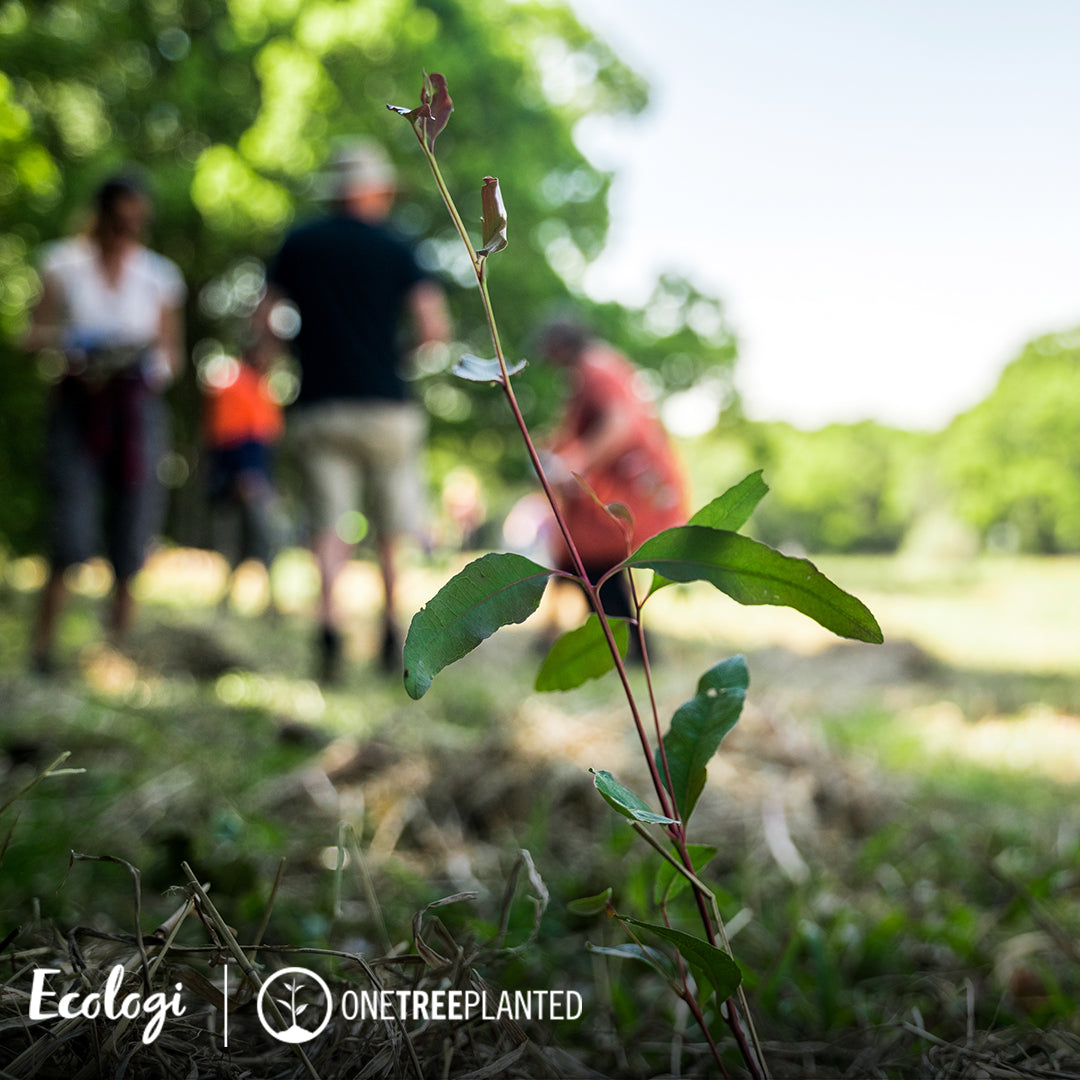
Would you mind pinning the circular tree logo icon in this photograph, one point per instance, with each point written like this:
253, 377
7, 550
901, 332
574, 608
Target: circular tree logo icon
294, 989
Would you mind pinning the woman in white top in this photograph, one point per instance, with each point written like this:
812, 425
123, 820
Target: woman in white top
113, 308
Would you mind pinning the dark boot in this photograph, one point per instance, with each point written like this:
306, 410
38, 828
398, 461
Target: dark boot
330, 656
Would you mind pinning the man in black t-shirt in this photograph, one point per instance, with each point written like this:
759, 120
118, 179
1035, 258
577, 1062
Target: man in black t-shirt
354, 424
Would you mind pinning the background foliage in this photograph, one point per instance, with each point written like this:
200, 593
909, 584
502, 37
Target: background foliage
232, 109
1004, 476
1012, 464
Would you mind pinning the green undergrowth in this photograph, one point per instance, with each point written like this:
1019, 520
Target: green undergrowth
937, 891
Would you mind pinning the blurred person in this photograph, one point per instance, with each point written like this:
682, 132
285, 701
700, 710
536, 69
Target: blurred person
355, 431
612, 439
112, 308
242, 424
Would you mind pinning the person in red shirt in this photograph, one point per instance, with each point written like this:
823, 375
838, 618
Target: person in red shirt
242, 422
612, 439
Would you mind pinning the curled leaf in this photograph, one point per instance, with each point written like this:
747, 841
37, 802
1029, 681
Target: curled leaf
439, 106
625, 801
493, 217
591, 905
633, 951
477, 369
431, 115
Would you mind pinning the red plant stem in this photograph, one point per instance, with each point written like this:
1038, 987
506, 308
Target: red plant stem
591, 590
673, 830
676, 831
732, 1020
695, 1010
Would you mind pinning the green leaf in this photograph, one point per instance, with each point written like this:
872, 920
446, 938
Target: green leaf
697, 728
732, 510
493, 217
491, 592
631, 950
729, 511
580, 655
625, 801
591, 905
753, 573
718, 969
476, 369
669, 882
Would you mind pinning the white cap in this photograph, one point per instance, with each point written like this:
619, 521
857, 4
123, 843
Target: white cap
357, 163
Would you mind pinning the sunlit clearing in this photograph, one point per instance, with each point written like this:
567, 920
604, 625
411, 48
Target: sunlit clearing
28, 573
93, 579
359, 588
183, 577
295, 580
250, 591
1038, 741
297, 699
111, 673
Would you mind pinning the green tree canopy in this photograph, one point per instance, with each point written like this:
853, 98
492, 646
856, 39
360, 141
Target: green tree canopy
841, 488
231, 108
1013, 461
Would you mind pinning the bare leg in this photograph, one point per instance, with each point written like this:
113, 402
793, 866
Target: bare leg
390, 650
53, 597
331, 555
120, 612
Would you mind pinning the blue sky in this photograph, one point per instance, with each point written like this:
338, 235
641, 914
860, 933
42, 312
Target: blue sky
884, 193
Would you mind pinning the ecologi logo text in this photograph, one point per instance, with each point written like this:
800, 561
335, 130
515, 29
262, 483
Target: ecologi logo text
298, 994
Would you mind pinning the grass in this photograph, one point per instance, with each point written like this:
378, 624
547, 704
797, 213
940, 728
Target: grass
897, 829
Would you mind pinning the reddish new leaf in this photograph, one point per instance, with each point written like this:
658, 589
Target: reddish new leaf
437, 98
431, 115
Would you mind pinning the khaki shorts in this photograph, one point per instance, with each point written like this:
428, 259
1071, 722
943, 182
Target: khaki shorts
361, 455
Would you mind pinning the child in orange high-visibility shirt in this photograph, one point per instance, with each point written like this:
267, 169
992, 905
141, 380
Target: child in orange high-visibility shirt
242, 424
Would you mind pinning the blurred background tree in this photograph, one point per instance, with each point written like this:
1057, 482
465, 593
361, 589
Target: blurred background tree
231, 109
1003, 476
1012, 462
